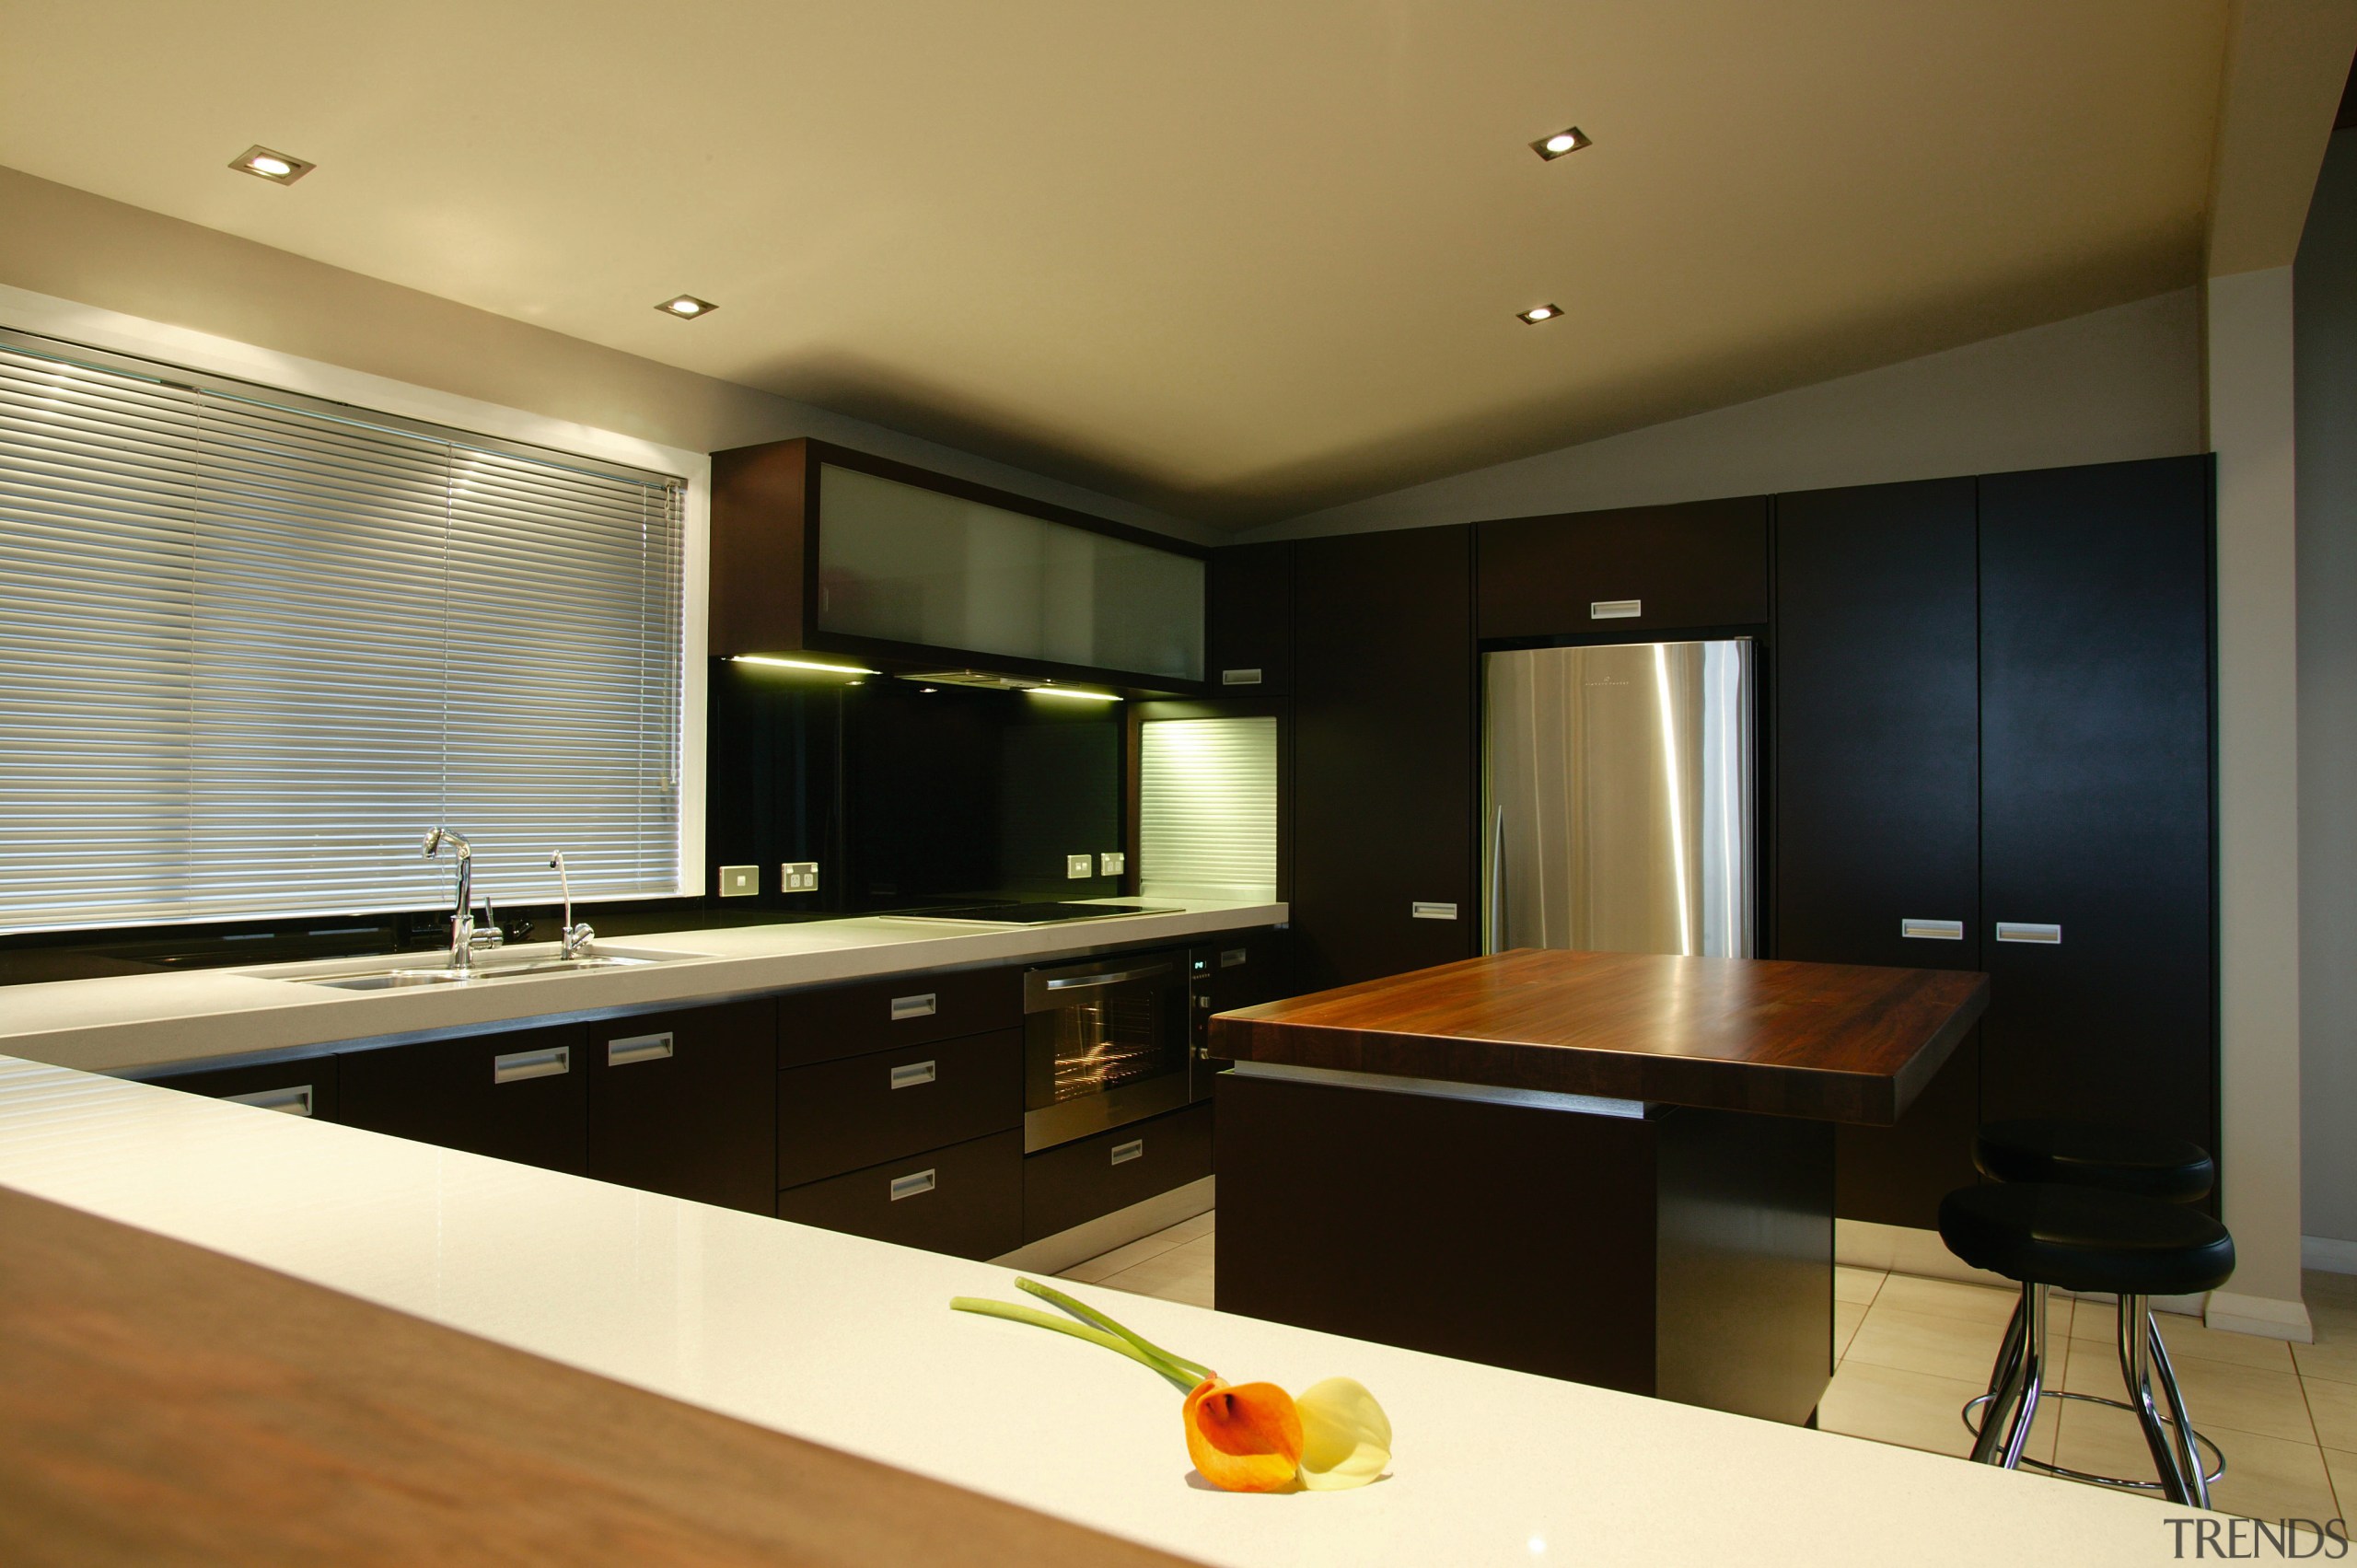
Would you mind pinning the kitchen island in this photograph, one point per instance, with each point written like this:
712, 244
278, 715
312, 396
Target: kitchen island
1614, 1167
845, 1343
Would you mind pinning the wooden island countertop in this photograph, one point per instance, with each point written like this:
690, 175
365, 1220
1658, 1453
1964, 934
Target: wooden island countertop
1832, 1042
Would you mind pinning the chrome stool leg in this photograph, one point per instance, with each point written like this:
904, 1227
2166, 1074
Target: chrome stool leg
2030, 1374
2004, 1387
2136, 1370
2187, 1447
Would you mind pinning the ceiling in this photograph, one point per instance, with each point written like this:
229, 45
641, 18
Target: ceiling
1231, 259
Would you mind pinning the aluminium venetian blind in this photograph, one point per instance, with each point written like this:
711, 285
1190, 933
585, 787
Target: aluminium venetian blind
1207, 809
253, 646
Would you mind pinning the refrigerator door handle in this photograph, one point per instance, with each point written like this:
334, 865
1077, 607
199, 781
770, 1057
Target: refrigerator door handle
1496, 936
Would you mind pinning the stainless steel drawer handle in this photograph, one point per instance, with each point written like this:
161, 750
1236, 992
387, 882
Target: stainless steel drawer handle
909, 1075
2026, 930
1616, 610
295, 1100
913, 1006
518, 1065
1932, 930
1239, 677
1233, 956
1124, 1153
638, 1048
1432, 911
1112, 977
911, 1185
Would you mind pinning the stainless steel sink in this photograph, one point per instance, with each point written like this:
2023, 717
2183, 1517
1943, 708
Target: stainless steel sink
484, 970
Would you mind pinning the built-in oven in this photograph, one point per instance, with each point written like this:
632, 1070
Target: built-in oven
1105, 1042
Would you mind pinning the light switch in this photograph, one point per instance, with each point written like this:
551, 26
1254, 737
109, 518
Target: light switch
798, 876
1112, 864
739, 881
1079, 865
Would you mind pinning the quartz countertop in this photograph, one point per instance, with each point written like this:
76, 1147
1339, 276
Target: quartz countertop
130, 1024
851, 1343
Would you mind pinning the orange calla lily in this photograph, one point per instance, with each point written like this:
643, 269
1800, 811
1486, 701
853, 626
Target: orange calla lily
1243, 1436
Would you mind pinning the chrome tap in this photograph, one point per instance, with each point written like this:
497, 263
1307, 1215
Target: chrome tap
464, 938
575, 937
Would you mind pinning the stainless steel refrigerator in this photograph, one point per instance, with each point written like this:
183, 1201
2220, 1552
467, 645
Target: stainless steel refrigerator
1617, 798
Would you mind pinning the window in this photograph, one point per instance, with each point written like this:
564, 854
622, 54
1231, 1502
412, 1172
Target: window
253, 646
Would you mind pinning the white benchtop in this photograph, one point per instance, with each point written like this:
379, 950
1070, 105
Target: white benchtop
853, 1343
136, 1023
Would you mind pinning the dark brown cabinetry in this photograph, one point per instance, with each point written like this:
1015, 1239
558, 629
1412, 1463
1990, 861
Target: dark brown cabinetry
1639, 569
1383, 754
2097, 829
862, 1110
886, 1015
518, 1095
1248, 636
965, 1200
299, 1088
681, 1103
1876, 786
1076, 1182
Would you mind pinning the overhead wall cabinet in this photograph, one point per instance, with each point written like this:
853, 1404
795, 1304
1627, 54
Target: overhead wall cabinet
1641, 570
816, 549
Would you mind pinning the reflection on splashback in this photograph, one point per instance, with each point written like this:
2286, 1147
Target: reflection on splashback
909, 797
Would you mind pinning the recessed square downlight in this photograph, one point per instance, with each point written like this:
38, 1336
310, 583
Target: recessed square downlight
1537, 313
267, 163
1562, 144
687, 307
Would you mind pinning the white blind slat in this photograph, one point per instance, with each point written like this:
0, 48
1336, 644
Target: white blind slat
250, 649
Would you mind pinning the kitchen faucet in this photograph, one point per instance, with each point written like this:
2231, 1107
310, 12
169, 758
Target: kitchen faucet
576, 937
464, 938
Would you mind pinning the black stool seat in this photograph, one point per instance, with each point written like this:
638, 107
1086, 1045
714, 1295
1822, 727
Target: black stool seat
2096, 1153
2085, 1238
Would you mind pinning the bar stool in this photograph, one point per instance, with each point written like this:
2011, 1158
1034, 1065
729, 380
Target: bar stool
2118, 1159
2049, 1235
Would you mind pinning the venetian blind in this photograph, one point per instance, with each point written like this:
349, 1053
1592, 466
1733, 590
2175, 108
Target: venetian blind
253, 646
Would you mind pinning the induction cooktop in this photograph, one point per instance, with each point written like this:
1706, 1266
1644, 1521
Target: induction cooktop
1031, 915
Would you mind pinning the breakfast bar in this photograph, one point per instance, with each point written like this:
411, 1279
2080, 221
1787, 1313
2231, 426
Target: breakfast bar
1612, 1168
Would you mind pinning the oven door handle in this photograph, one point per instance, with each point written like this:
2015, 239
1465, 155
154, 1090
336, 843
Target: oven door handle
1110, 977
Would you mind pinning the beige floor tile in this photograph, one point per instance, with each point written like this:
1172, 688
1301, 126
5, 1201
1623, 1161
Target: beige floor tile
2322, 1289
1912, 1408
2333, 1406
1200, 1225
1847, 1316
2341, 1466
1106, 1265
2266, 1477
2098, 1320
2219, 1394
1927, 1342
2329, 1360
1856, 1285
1182, 1273
1965, 1303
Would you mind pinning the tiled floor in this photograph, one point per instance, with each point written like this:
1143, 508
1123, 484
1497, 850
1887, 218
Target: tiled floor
1912, 1351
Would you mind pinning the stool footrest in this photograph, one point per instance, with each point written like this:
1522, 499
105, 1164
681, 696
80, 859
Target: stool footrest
1973, 1407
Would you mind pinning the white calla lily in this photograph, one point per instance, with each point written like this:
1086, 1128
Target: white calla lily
1345, 1437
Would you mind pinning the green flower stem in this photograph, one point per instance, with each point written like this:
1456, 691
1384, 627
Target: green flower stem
1088, 1314
1016, 1313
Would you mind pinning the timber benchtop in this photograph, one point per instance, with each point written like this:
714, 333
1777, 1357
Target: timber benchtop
1832, 1042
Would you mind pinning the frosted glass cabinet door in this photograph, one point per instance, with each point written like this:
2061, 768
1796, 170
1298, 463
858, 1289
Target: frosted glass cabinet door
906, 564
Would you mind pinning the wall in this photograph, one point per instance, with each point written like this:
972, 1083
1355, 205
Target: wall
2325, 378
2115, 384
74, 246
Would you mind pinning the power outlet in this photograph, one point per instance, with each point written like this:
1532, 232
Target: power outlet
1112, 864
1079, 865
739, 881
798, 876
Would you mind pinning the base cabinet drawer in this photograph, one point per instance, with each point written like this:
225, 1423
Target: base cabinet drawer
299, 1088
843, 1116
886, 1015
965, 1200
519, 1094
680, 1103
1076, 1182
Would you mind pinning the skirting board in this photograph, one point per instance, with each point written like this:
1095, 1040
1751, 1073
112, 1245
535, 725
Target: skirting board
2328, 1255
1055, 1254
